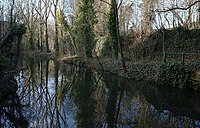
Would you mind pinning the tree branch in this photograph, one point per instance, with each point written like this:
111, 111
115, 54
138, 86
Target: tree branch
179, 8
106, 2
102, 13
120, 4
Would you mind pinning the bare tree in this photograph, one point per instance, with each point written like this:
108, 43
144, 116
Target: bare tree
56, 44
46, 16
29, 17
184, 12
148, 15
125, 16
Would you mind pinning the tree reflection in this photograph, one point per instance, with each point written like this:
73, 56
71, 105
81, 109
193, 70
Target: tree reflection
115, 94
47, 98
56, 69
111, 104
76, 97
10, 106
82, 93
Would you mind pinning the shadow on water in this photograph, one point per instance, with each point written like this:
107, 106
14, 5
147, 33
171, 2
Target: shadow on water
173, 107
67, 97
10, 106
179, 102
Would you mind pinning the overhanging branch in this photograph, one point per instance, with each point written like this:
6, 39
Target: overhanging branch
179, 8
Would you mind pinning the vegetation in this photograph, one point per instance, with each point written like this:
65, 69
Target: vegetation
84, 28
16, 31
8, 62
113, 28
175, 41
135, 32
175, 75
145, 41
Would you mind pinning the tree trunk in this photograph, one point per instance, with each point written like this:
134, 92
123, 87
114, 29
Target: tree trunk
56, 45
46, 35
41, 28
113, 26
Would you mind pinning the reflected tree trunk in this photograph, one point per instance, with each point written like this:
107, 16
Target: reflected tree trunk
83, 96
46, 88
111, 104
56, 69
115, 94
119, 103
41, 72
31, 78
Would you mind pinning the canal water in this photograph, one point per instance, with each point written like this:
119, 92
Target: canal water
52, 95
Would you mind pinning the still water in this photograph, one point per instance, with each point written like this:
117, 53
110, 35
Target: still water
52, 95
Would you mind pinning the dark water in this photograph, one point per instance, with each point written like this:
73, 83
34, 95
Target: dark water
51, 95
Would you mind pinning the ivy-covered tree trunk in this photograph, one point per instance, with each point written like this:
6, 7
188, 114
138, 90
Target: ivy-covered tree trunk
113, 28
84, 23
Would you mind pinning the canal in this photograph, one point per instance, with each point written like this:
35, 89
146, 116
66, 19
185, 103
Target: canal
53, 95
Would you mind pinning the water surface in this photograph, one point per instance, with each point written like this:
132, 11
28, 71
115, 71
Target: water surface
52, 95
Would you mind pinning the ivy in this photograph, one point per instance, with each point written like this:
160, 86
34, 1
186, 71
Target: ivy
16, 30
175, 75
83, 31
113, 28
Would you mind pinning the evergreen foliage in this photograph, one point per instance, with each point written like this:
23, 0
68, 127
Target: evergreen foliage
175, 75
84, 35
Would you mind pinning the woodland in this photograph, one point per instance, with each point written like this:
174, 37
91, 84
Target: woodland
131, 38
99, 63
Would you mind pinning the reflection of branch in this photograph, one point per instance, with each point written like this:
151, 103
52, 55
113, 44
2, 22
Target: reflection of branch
101, 122
100, 63
15, 71
180, 8
97, 82
64, 120
119, 103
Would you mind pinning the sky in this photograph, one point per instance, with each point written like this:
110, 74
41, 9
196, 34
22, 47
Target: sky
137, 14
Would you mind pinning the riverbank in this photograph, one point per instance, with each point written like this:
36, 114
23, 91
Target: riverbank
146, 70
135, 70
186, 77
39, 55
139, 70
